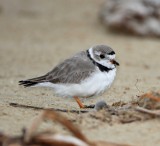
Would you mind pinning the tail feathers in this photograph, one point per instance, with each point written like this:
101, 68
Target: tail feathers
27, 83
33, 81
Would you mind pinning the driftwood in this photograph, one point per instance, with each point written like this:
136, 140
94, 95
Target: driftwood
31, 137
140, 17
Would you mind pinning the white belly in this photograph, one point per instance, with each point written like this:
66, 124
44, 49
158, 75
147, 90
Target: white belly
96, 84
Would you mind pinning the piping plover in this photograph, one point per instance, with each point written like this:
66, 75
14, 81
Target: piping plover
88, 73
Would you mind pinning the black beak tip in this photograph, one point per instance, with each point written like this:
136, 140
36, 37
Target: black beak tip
115, 62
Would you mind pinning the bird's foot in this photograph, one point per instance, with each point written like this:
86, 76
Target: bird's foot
89, 106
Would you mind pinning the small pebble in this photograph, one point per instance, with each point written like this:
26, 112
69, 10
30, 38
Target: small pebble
100, 105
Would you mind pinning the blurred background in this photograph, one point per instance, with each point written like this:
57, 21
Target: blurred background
35, 35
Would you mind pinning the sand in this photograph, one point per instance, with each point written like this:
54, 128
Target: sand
36, 35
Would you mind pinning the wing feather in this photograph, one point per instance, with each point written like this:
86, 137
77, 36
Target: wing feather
72, 70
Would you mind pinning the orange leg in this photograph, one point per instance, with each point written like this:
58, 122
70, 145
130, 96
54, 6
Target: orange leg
79, 102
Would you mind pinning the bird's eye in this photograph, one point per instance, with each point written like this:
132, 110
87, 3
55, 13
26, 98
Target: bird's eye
102, 56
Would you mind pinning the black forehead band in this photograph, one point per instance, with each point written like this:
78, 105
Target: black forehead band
111, 53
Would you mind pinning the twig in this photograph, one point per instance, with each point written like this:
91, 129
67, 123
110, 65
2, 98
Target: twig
25, 106
137, 86
41, 108
152, 112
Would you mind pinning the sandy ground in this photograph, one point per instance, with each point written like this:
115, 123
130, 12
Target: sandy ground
36, 35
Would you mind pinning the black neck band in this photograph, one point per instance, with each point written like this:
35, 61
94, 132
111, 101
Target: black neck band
101, 67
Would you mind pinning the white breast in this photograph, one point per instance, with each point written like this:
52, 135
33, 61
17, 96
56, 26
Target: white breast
96, 84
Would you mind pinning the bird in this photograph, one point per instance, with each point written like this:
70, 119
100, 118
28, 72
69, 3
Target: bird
87, 73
